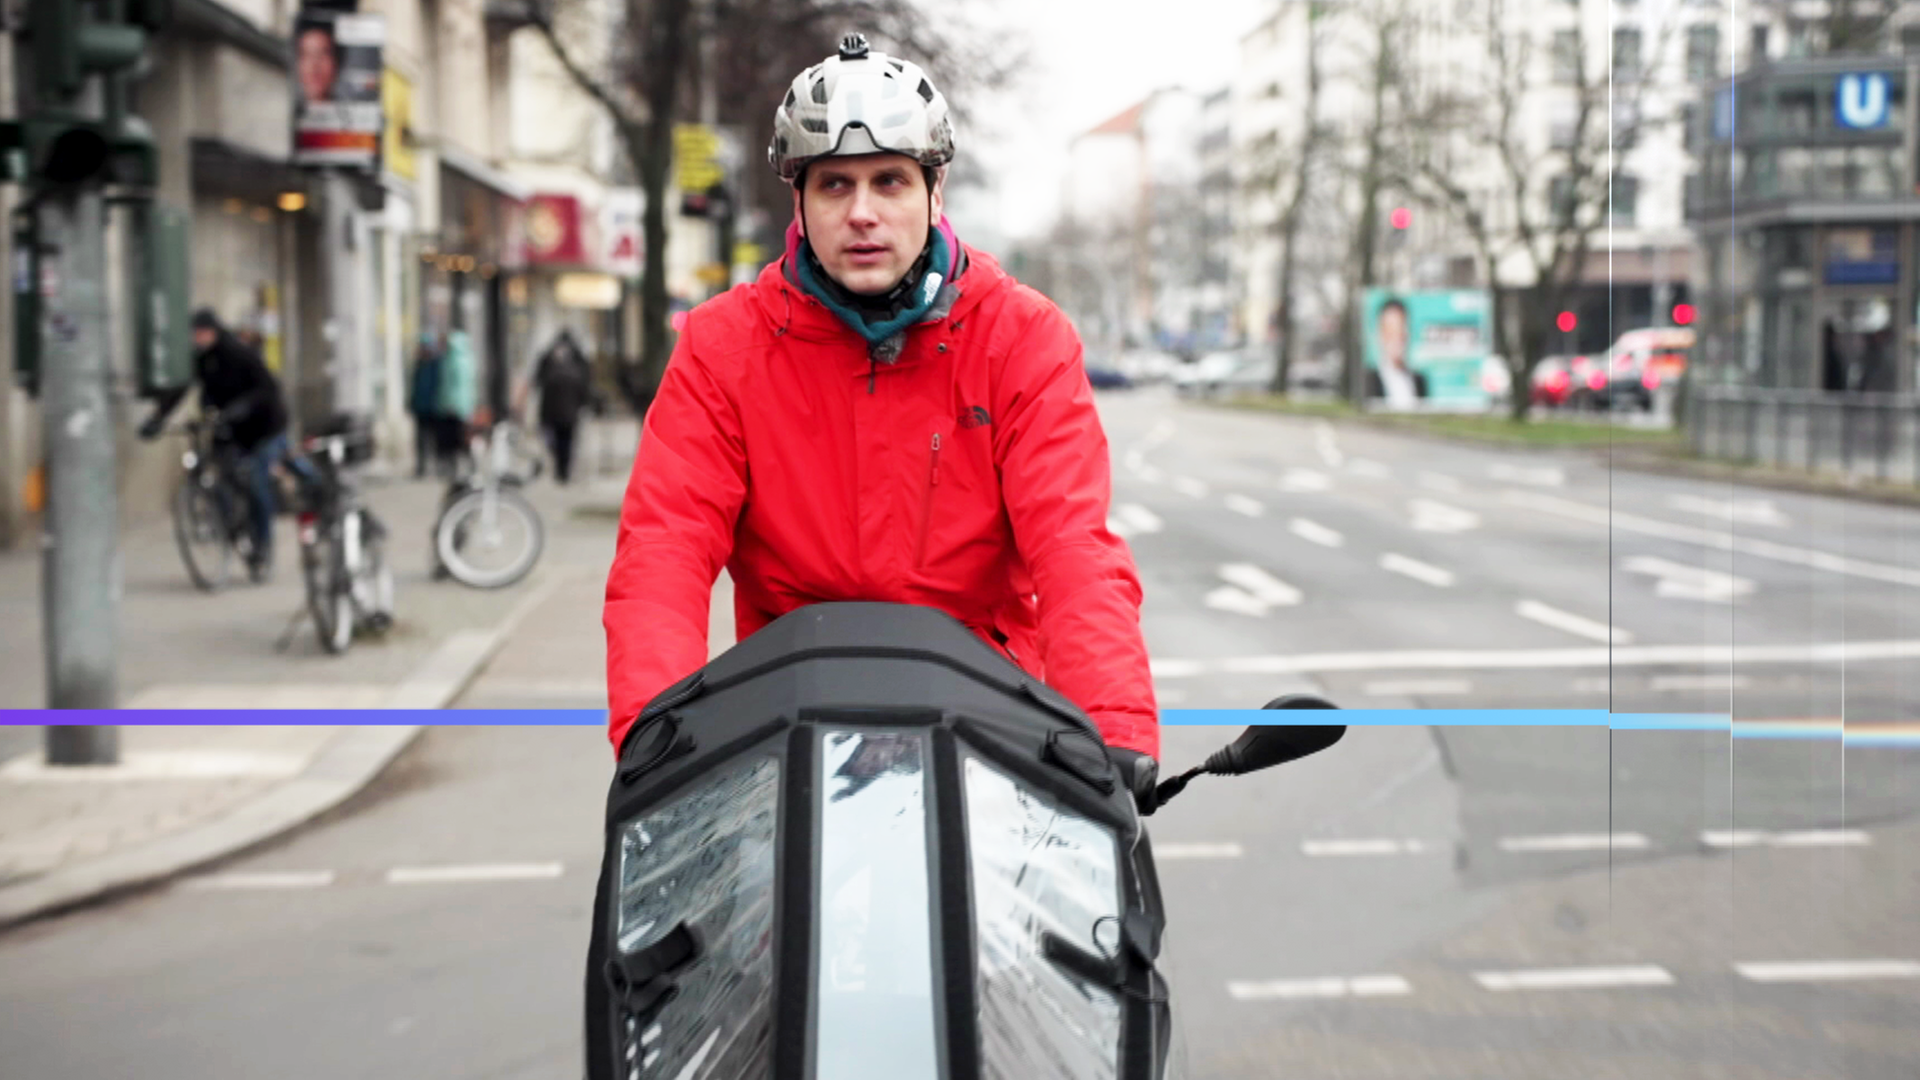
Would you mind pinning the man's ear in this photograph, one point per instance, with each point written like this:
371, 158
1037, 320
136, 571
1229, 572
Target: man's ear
937, 197
799, 218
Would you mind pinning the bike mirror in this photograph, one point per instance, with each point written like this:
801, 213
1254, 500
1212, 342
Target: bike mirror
1264, 746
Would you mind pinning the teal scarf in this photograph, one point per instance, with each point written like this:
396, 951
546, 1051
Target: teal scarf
908, 303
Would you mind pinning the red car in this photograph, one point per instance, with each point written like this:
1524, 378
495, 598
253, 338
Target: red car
1562, 380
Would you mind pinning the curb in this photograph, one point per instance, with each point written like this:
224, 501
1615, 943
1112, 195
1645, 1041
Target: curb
354, 759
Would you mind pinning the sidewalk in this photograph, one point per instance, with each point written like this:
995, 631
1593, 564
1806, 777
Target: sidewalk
183, 796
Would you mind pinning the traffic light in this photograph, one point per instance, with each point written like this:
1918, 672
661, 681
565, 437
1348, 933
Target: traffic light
1683, 314
71, 41
1401, 218
1566, 321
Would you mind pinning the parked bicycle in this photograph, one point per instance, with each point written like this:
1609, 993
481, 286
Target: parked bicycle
343, 556
212, 515
488, 535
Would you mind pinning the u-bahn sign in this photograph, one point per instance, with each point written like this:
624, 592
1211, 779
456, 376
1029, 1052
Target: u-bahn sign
1860, 101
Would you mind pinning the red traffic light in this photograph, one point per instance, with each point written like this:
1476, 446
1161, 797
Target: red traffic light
1683, 314
1401, 217
1566, 322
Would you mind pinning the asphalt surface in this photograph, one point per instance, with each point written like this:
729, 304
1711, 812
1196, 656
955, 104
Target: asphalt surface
1418, 902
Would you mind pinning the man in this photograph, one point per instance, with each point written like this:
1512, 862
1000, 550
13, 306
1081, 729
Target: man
249, 412
883, 415
564, 380
316, 62
1393, 379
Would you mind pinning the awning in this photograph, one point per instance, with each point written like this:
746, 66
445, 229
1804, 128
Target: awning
483, 174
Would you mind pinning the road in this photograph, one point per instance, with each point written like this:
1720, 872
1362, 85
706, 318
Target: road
1419, 902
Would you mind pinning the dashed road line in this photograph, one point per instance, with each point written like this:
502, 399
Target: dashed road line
1315, 533
1575, 978
440, 875
1804, 838
1438, 517
1544, 476
1255, 585
1372, 470
1351, 848
1416, 687
238, 880
1149, 475
1187, 485
1305, 480
1678, 581
1327, 445
1439, 482
1334, 987
1240, 504
1533, 845
1736, 511
1198, 851
1571, 623
1132, 519
1827, 970
1417, 570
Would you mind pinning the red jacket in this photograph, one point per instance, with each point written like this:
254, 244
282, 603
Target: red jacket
970, 475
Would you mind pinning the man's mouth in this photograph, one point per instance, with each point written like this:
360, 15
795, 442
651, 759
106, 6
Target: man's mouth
866, 249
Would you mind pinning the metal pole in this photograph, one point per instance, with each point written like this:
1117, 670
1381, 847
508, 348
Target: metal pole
11, 509
82, 528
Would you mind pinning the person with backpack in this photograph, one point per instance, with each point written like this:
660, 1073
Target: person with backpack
423, 404
564, 380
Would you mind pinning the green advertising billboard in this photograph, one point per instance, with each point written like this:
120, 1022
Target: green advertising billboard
1433, 344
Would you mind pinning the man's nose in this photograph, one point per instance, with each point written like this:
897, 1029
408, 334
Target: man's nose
864, 206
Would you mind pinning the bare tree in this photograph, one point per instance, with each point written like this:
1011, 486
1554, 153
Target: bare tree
641, 61
1470, 149
1305, 161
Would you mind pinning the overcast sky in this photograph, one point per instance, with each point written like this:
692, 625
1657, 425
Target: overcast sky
1094, 58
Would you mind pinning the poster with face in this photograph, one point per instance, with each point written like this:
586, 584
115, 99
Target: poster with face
337, 116
1426, 347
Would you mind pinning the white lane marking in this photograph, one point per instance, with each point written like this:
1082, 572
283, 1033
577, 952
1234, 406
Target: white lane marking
1132, 519
1335, 987
1150, 475
1545, 476
1409, 687
1372, 470
440, 875
1440, 482
1197, 851
1736, 511
1133, 460
1417, 570
1675, 683
1345, 848
1806, 838
1571, 623
1579, 978
1187, 485
1261, 585
1315, 533
1160, 433
1234, 601
1430, 516
1328, 446
1681, 582
1766, 549
261, 879
1531, 845
1240, 504
1714, 656
1305, 480
1776, 971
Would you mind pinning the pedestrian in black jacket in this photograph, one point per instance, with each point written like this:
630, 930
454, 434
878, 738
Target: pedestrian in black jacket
249, 412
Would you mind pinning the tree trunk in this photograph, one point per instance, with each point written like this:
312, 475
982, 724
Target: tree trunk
667, 48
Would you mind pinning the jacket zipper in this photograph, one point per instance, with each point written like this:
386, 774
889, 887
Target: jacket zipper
926, 504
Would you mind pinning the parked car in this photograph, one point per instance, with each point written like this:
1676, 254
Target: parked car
1236, 372
1561, 381
1642, 361
1143, 366
1107, 378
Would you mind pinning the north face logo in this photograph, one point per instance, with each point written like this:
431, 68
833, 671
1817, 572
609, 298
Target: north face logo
975, 417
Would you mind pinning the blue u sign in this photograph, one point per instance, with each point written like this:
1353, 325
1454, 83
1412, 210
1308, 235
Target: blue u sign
1860, 101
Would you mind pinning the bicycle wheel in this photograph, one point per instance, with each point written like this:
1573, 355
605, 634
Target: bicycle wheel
489, 540
200, 531
373, 579
329, 595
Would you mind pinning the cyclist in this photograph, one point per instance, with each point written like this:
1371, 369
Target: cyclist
249, 414
883, 415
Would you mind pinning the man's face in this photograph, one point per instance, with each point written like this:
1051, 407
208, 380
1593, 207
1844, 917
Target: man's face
203, 338
1393, 336
315, 65
867, 218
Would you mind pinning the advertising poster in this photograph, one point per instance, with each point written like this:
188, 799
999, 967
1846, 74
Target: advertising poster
337, 82
1425, 349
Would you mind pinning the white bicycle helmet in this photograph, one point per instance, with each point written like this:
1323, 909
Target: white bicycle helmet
860, 102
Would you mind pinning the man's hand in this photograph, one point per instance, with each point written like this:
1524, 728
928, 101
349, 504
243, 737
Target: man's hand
1140, 774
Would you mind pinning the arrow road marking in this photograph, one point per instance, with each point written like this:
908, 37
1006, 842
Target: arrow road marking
1681, 582
1131, 519
1572, 624
1417, 570
1261, 585
1315, 533
1738, 511
1240, 504
1430, 516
